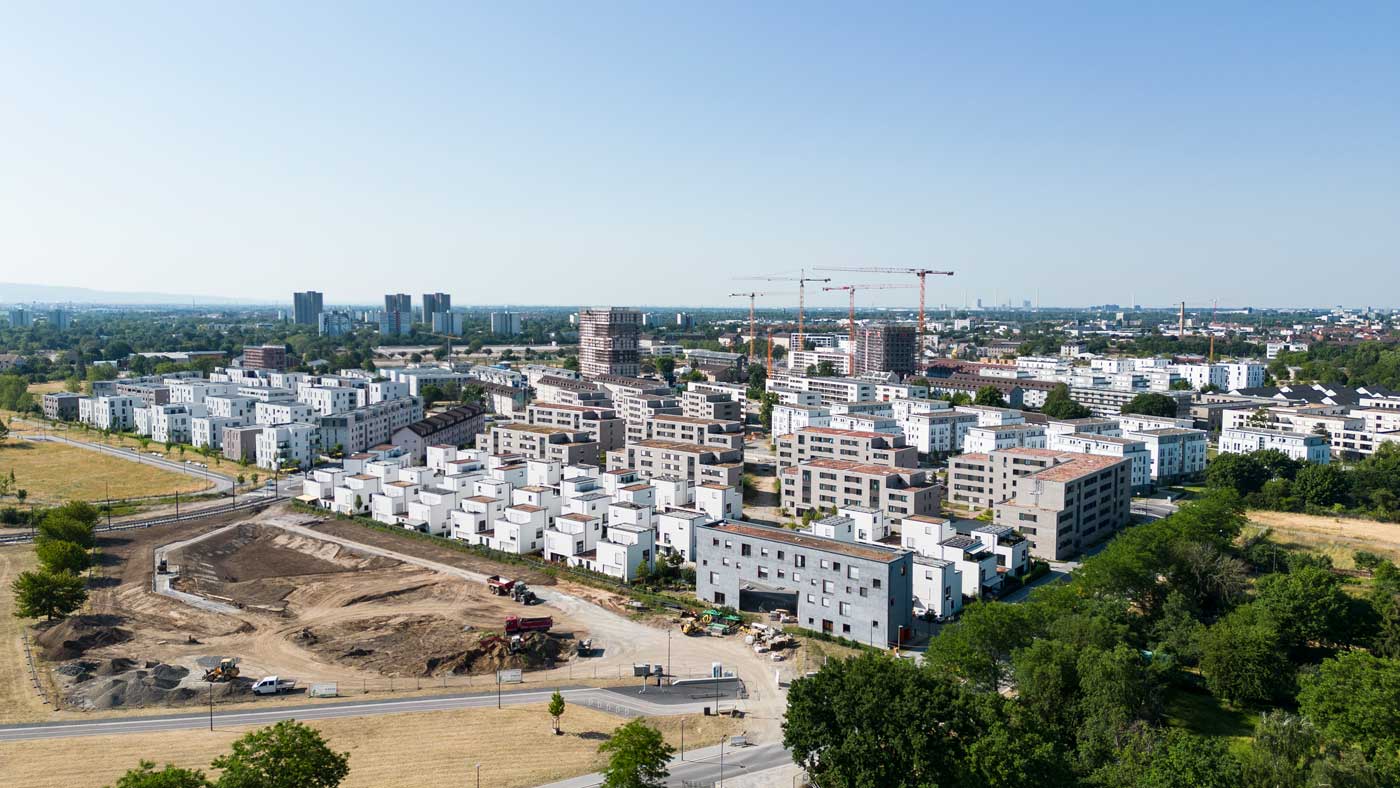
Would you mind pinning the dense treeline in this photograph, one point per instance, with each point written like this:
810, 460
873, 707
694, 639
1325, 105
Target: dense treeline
1364, 364
1072, 686
1269, 479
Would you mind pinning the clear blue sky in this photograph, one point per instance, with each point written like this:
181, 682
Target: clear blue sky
647, 152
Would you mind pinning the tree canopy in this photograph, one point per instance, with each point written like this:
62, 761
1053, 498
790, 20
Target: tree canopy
637, 757
1150, 403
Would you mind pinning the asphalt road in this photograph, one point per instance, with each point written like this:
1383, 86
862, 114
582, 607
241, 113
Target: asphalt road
585, 696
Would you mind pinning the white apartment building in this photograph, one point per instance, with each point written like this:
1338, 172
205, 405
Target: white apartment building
938, 431
1299, 446
902, 407
864, 422
330, 400
284, 412
230, 406
988, 416
113, 413
286, 443
1133, 449
983, 440
195, 392
209, 430
1177, 454
1136, 422
829, 390
791, 418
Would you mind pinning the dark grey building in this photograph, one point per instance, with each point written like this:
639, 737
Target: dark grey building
855, 590
434, 303
306, 308
61, 406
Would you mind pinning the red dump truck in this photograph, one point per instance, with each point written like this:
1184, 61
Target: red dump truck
517, 624
500, 586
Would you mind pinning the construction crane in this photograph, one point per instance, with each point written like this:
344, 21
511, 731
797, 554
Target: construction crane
922, 273
851, 321
753, 336
801, 279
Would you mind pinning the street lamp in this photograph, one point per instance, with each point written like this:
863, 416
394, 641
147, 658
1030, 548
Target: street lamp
478, 774
721, 762
682, 738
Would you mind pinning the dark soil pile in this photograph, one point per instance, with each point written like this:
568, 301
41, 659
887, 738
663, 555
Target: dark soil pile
73, 637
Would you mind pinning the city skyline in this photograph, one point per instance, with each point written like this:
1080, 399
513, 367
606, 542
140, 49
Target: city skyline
604, 155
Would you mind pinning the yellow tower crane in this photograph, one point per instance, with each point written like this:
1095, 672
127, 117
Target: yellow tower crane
753, 336
922, 273
801, 279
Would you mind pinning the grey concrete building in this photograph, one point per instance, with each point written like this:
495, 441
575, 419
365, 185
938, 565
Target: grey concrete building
857, 591
61, 406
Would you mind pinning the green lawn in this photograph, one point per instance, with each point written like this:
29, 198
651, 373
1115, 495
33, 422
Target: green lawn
1203, 714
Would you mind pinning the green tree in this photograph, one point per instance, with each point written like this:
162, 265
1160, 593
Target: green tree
146, 776
1171, 758
556, 708
4, 431
1284, 747
286, 755
874, 720
1242, 473
82, 511
1320, 485
58, 526
48, 594
1354, 699
637, 757
59, 556
1150, 403
666, 366
1242, 658
1307, 605
826, 369
990, 396
978, 648
1178, 631
767, 400
1058, 404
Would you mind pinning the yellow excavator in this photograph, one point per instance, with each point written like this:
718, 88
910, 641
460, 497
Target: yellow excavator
227, 670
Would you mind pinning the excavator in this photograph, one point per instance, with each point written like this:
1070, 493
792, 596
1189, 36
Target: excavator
227, 670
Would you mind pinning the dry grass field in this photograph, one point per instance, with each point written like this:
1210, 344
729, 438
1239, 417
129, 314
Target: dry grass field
1336, 537
514, 746
18, 700
56, 472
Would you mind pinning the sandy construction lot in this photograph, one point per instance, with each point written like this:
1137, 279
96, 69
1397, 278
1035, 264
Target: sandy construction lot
293, 605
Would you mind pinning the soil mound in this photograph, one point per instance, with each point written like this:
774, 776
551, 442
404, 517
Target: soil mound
73, 637
419, 645
119, 683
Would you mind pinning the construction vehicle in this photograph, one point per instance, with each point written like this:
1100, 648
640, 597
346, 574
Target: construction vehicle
690, 626
272, 685
520, 593
517, 624
500, 586
162, 568
226, 670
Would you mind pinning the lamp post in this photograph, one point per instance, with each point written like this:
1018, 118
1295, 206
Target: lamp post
668, 659
211, 705
478, 774
721, 762
682, 738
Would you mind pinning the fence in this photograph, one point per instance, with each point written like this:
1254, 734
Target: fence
34, 675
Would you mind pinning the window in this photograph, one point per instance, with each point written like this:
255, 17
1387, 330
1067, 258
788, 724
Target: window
763, 551
862, 591
811, 600
853, 573
780, 555
745, 549
826, 564
763, 573
724, 561
799, 561
844, 608
826, 602
828, 587
875, 583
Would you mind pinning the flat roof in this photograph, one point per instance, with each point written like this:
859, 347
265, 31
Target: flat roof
658, 443
847, 433
577, 517
1081, 465
857, 467
526, 507
810, 541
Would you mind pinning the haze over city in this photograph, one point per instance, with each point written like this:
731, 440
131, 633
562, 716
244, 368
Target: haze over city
643, 153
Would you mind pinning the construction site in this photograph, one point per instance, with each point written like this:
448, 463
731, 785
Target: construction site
195, 609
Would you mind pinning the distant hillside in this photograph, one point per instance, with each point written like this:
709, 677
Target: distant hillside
14, 292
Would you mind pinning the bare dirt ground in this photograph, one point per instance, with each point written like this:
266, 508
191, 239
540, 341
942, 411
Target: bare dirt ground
421, 548
309, 609
423, 750
1338, 537
18, 700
